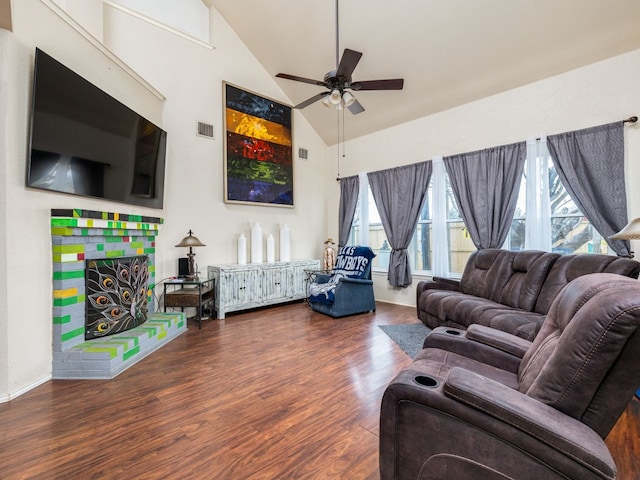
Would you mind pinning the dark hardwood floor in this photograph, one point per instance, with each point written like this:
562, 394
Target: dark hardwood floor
279, 393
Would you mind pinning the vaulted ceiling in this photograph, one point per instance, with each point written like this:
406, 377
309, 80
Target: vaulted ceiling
449, 52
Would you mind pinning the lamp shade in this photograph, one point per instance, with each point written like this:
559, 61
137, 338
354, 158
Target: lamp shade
630, 232
190, 241
335, 97
348, 99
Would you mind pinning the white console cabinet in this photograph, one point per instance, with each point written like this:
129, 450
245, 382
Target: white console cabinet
239, 287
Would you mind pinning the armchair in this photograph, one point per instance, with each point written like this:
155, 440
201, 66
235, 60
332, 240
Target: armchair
348, 290
486, 404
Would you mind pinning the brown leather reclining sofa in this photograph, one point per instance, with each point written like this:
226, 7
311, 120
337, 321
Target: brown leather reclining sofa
509, 291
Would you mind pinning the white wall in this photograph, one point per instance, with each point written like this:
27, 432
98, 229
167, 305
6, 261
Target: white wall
6, 132
88, 13
188, 16
597, 94
190, 76
195, 176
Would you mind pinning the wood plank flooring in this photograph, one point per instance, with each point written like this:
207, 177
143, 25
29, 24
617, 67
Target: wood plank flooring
278, 393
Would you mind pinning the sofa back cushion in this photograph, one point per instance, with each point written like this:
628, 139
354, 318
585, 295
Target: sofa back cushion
583, 361
569, 267
510, 278
486, 272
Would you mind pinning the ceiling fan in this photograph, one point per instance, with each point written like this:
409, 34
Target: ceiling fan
339, 83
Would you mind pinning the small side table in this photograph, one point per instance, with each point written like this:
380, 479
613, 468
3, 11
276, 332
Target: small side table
191, 293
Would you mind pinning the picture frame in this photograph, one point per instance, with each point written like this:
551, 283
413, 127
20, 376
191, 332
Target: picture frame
258, 149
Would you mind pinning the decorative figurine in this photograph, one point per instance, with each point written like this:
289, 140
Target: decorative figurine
329, 256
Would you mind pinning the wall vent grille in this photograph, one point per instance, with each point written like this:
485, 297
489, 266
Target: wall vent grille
205, 130
303, 153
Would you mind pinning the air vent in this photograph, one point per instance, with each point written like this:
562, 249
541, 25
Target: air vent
303, 154
205, 130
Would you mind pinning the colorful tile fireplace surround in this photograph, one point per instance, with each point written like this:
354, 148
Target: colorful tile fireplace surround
79, 235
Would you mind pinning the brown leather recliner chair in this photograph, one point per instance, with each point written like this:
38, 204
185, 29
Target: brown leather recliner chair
485, 404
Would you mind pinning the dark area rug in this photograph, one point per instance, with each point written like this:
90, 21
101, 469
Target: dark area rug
409, 337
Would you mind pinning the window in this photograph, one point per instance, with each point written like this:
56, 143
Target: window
367, 228
571, 232
546, 218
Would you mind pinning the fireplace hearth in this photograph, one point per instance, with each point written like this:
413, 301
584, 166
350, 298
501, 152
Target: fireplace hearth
91, 251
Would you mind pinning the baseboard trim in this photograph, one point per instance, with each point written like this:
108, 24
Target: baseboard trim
25, 389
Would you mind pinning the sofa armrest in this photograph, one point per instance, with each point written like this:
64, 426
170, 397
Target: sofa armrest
448, 281
355, 281
436, 284
561, 432
458, 341
322, 278
504, 341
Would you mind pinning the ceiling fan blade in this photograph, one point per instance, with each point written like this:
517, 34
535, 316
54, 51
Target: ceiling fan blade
348, 62
311, 100
356, 108
301, 79
391, 84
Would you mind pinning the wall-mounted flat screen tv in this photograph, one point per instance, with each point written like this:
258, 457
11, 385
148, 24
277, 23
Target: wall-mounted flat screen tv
85, 142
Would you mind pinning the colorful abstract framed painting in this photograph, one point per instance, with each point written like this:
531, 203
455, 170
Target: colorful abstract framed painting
258, 153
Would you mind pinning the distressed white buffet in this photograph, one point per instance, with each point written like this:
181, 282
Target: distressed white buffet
240, 287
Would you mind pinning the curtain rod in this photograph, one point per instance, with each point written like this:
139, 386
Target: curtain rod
632, 119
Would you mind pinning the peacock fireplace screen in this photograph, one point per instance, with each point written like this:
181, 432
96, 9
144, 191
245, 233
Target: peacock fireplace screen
116, 293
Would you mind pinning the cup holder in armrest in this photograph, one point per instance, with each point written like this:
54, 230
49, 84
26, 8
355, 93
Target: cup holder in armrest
453, 332
426, 381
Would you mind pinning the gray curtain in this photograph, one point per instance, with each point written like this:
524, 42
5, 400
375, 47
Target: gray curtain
349, 190
486, 184
590, 164
399, 194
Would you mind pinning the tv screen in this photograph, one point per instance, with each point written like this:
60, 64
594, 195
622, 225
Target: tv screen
85, 142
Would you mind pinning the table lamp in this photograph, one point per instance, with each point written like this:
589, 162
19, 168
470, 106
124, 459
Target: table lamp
191, 241
631, 231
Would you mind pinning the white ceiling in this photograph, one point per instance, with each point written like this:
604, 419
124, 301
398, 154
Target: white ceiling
449, 52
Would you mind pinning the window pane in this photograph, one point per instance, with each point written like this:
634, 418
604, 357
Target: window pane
354, 233
516, 234
377, 237
460, 246
374, 216
571, 232
452, 209
574, 234
516, 239
561, 202
423, 250
379, 244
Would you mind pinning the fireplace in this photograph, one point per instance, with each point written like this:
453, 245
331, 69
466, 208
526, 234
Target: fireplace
104, 275
116, 292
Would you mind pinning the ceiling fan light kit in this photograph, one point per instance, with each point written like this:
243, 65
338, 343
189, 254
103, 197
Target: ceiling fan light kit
348, 99
335, 97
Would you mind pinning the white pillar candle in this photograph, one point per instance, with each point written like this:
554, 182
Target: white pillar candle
285, 243
271, 253
242, 250
256, 243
